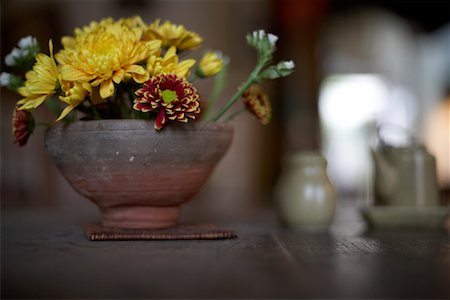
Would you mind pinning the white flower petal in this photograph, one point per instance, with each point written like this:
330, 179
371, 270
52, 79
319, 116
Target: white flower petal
27, 42
289, 64
5, 79
10, 59
262, 33
272, 38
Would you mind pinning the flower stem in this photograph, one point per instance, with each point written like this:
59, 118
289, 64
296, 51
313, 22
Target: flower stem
250, 80
96, 114
218, 85
192, 78
94, 110
131, 102
234, 98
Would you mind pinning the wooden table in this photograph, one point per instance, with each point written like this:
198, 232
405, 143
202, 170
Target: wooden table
46, 255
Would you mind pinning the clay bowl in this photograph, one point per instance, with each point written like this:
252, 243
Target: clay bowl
137, 176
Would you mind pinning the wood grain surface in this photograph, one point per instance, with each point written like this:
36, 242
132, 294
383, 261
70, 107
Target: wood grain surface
47, 255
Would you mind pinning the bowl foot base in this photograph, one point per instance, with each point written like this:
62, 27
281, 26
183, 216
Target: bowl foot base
139, 217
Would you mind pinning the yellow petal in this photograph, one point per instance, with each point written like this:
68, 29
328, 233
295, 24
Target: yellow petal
31, 103
138, 33
23, 91
171, 52
50, 47
68, 42
106, 89
182, 69
65, 112
140, 78
97, 81
135, 69
118, 76
87, 86
153, 46
71, 74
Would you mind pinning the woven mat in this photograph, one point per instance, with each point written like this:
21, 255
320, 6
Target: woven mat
97, 232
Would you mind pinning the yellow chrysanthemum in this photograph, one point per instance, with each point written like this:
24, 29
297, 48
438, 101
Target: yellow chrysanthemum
94, 27
73, 94
210, 64
173, 35
107, 56
41, 82
169, 64
133, 22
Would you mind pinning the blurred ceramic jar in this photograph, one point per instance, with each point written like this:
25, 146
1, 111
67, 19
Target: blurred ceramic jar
305, 196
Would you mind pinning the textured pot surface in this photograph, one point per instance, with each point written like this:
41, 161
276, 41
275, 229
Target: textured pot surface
137, 176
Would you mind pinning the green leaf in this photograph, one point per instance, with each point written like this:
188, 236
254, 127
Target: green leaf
270, 73
282, 69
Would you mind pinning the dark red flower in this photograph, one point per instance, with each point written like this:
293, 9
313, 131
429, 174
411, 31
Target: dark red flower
171, 97
22, 126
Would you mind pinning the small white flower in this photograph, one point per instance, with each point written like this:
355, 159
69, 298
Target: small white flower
288, 64
10, 59
27, 41
262, 34
272, 38
5, 79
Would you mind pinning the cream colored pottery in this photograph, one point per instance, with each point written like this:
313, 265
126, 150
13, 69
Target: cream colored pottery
306, 198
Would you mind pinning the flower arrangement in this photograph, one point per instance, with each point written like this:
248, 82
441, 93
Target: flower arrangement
130, 69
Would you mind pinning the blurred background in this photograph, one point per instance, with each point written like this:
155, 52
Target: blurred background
358, 64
